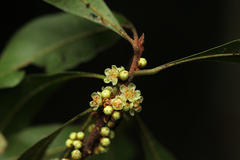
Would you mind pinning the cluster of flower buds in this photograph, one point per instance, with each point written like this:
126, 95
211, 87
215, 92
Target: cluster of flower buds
75, 140
114, 101
127, 100
112, 75
106, 135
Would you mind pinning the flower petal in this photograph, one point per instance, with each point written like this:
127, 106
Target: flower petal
91, 104
139, 109
106, 80
114, 81
114, 67
94, 94
131, 112
132, 85
95, 108
138, 92
106, 71
109, 88
122, 88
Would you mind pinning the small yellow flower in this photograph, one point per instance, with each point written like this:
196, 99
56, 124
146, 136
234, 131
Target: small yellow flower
97, 100
129, 92
118, 103
111, 75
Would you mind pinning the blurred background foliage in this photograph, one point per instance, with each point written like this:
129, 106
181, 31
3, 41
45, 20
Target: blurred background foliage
192, 109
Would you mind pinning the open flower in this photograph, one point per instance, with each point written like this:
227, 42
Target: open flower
135, 106
111, 75
129, 92
118, 103
97, 100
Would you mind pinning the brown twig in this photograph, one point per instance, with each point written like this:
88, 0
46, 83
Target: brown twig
95, 135
102, 119
137, 55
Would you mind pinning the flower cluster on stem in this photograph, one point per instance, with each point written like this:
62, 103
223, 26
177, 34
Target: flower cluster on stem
113, 100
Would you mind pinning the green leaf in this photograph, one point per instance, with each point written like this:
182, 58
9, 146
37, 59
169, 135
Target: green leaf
153, 149
24, 139
17, 103
3, 143
11, 79
228, 52
36, 152
57, 42
96, 11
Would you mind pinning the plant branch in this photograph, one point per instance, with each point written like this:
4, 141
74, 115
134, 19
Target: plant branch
95, 135
137, 55
67, 151
132, 28
170, 64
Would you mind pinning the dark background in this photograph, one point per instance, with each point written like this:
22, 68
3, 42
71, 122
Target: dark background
193, 108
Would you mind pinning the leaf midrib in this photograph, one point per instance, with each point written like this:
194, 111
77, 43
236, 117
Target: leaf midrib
55, 46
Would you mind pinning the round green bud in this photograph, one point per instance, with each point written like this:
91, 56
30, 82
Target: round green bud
69, 143
91, 127
102, 149
116, 115
120, 69
124, 75
110, 124
80, 136
106, 93
115, 91
108, 110
126, 108
77, 144
142, 63
105, 131
112, 134
105, 142
73, 136
76, 154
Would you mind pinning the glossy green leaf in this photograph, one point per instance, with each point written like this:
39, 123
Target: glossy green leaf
37, 151
96, 11
229, 52
57, 42
153, 149
17, 103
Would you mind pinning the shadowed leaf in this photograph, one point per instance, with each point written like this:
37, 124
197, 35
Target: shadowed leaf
24, 139
153, 149
36, 152
17, 103
3, 144
122, 147
57, 42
